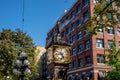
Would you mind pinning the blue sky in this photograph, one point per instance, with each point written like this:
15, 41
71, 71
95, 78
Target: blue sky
39, 16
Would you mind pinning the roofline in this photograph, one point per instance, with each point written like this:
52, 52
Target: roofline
63, 14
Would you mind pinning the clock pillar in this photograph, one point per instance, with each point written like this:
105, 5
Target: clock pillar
58, 59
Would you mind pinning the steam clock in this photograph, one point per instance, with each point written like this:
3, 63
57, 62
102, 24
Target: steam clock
58, 59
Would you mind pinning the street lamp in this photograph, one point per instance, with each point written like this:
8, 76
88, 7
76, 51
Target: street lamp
22, 66
7, 78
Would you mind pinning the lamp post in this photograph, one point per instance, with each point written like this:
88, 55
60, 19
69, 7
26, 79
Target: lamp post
22, 66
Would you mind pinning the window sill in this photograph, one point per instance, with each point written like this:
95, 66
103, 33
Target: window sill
78, 12
88, 65
86, 49
110, 34
80, 67
79, 25
73, 69
100, 63
86, 34
80, 52
100, 32
85, 6
79, 38
73, 55
72, 30
118, 34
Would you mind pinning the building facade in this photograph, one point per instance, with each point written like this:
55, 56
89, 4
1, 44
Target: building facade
88, 50
40, 60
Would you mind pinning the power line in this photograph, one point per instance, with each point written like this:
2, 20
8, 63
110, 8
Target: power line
23, 15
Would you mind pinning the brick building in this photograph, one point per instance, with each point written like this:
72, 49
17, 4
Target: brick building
87, 51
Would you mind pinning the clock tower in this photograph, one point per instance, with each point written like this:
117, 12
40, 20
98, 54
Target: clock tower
58, 59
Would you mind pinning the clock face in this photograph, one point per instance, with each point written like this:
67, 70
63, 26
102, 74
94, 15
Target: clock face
61, 54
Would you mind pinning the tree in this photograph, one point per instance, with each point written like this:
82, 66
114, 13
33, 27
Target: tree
104, 15
11, 44
114, 62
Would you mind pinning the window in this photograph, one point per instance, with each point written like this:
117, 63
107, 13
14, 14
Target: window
84, 2
107, 2
73, 51
85, 31
100, 58
79, 35
100, 28
99, 43
110, 30
73, 64
62, 34
78, 22
85, 16
118, 17
94, 1
80, 48
72, 26
117, 4
109, 15
68, 41
68, 17
118, 31
62, 22
87, 44
72, 14
97, 1
109, 43
119, 44
73, 38
79, 62
78, 8
87, 60
68, 31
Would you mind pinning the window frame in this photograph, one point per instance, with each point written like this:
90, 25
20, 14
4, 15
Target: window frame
100, 59
109, 43
80, 48
72, 26
87, 60
73, 51
87, 44
78, 8
73, 64
110, 30
79, 35
79, 62
62, 34
100, 43
85, 2
73, 38
85, 16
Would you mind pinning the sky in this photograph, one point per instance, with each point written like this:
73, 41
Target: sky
39, 16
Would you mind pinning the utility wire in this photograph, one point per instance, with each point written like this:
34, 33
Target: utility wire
23, 15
